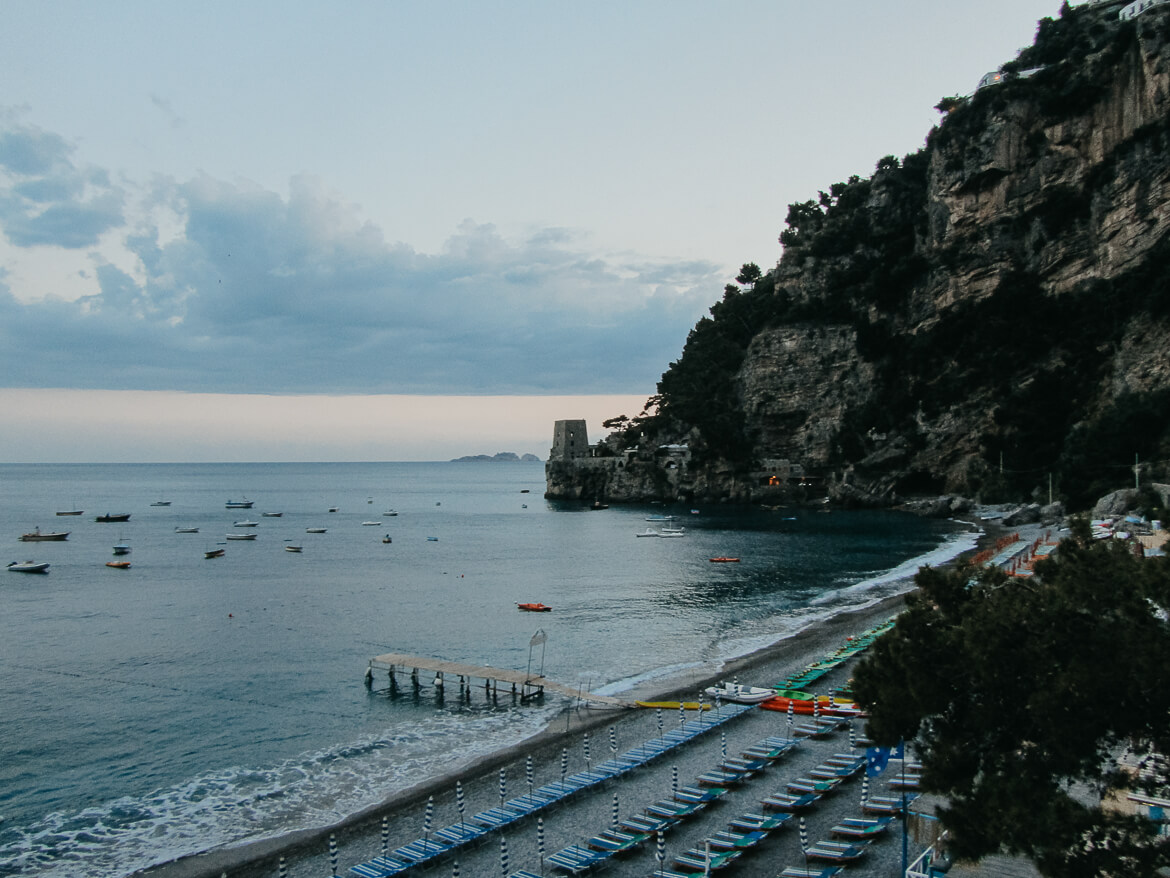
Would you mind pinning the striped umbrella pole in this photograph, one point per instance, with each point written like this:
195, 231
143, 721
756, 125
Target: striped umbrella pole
281, 869
722, 744
816, 709
428, 814
455, 869
614, 822
503, 786
385, 836
852, 736
540, 841
804, 841
459, 803
682, 714
864, 789
701, 712
718, 704
790, 711
673, 779
503, 857
564, 763
658, 720
613, 740
333, 853
707, 857
528, 773
660, 849
588, 761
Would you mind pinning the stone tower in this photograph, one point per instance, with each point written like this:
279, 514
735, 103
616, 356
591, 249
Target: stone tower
570, 441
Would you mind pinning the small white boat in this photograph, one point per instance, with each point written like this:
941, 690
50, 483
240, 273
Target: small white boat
28, 566
668, 534
161, 503
186, 530
371, 524
740, 694
648, 532
271, 514
238, 504
245, 523
660, 518
35, 536
71, 512
121, 549
240, 536
315, 530
292, 548
390, 513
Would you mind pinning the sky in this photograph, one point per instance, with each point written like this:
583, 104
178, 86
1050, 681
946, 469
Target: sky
399, 230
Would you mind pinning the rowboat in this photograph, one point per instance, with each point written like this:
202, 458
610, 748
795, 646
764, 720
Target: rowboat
113, 516
534, 607
119, 565
186, 530
213, 553
292, 548
240, 536
35, 536
722, 560
315, 530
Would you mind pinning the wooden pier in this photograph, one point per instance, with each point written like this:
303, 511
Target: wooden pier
522, 684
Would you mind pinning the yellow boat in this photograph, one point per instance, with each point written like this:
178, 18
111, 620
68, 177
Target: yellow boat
675, 705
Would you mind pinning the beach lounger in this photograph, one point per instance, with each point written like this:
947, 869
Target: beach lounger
614, 842
695, 794
834, 852
904, 782
584, 779
700, 861
495, 818
667, 873
818, 785
563, 789
647, 823
461, 833
370, 870
524, 873
749, 766
861, 827
813, 872
576, 858
887, 804
735, 841
753, 822
528, 804
673, 809
827, 770
786, 802
421, 850
720, 778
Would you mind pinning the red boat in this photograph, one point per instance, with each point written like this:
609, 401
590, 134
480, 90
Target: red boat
119, 565
722, 560
805, 708
534, 608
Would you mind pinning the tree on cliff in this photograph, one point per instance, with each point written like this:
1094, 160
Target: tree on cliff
1020, 695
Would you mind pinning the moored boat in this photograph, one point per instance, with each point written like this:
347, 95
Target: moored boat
534, 607
71, 512
722, 559
315, 530
28, 566
240, 536
121, 549
239, 504
186, 530
113, 516
739, 694
213, 553
245, 523
293, 548
271, 514
35, 536
161, 503
119, 565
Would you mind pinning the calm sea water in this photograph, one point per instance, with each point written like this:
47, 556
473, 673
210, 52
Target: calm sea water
188, 703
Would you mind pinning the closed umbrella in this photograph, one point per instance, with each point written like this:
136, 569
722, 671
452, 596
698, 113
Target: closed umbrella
613, 740
385, 836
673, 779
455, 869
722, 744
428, 814
503, 786
528, 773
281, 870
789, 717
852, 736
682, 714
804, 841
503, 857
333, 853
564, 763
614, 822
588, 761
864, 789
540, 841
459, 803
660, 849
658, 720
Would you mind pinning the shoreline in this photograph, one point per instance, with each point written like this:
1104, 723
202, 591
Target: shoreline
260, 858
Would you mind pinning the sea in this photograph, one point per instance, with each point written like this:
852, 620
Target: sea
189, 703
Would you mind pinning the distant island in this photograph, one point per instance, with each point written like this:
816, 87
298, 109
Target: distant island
503, 456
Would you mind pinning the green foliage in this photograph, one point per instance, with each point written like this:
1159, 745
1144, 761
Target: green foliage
1013, 690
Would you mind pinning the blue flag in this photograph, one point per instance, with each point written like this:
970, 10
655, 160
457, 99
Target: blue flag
876, 758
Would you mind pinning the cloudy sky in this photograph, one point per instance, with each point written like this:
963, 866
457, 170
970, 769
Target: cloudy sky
351, 231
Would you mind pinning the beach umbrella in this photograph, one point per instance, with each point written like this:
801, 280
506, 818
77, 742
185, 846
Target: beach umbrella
281, 870
864, 789
385, 836
660, 849
503, 857
503, 786
540, 841
658, 720
701, 712
428, 814
707, 857
455, 869
789, 717
333, 853
613, 740
614, 822
588, 762
804, 840
564, 763
673, 779
528, 773
459, 803
722, 744
816, 709
852, 736
682, 714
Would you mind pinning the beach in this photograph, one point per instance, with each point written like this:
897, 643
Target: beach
359, 837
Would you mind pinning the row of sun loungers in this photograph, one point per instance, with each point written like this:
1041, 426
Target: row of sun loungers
447, 839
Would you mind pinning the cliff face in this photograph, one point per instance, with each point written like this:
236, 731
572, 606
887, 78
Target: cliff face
970, 319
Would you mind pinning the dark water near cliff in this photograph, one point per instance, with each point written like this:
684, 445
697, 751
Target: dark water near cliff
188, 703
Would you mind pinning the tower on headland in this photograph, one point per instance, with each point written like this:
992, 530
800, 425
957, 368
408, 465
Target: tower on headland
570, 441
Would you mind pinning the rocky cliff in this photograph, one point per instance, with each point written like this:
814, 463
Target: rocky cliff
983, 316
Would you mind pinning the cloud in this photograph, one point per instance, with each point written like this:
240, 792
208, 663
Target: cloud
245, 290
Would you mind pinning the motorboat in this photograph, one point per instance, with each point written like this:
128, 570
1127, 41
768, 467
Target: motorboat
722, 559
113, 516
371, 523
240, 536
28, 566
660, 518
238, 504
35, 536
667, 534
740, 694
271, 514
121, 549
161, 503
71, 512
649, 532
333, 508
186, 530
119, 565
315, 530
292, 548
386, 539
245, 523
534, 607
213, 553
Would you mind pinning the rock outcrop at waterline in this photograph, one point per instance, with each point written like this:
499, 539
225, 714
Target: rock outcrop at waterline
989, 316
